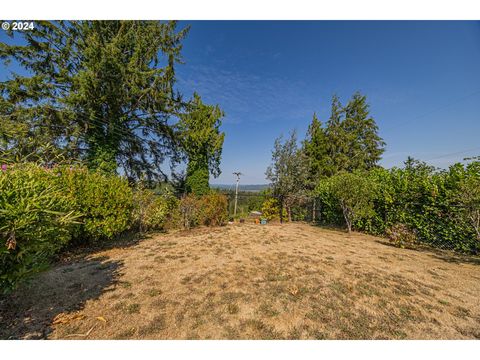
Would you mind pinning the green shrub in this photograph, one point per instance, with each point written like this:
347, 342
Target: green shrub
426, 200
213, 209
153, 211
271, 210
467, 198
328, 210
106, 202
197, 179
440, 206
402, 236
209, 210
36, 220
188, 211
354, 195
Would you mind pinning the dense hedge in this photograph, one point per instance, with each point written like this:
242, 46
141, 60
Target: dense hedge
420, 198
154, 211
271, 210
105, 202
44, 209
37, 218
210, 210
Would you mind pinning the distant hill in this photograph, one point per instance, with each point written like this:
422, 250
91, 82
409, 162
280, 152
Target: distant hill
249, 187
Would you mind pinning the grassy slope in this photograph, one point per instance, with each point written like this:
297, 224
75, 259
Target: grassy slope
248, 281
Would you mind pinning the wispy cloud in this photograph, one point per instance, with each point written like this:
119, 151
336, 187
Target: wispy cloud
246, 96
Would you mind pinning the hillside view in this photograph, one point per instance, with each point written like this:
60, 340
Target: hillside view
251, 180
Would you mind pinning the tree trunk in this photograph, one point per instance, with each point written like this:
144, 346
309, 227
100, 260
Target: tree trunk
289, 213
346, 215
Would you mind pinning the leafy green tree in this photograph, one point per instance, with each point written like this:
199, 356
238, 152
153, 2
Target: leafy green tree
101, 91
201, 140
288, 173
354, 193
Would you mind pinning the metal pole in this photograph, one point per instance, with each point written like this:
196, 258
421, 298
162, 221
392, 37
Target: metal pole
237, 174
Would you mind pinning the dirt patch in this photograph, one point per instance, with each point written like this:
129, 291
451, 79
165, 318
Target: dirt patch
291, 281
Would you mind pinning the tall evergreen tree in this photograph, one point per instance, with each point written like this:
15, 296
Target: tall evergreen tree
337, 142
364, 146
201, 140
101, 91
352, 136
315, 147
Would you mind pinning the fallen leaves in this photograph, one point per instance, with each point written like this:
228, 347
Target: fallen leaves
64, 318
293, 290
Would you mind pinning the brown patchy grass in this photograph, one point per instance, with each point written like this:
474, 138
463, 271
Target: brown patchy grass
291, 281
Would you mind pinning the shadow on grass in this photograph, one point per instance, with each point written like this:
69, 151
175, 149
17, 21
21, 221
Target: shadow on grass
78, 251
454, 258
445, 255
330, 227
29, 311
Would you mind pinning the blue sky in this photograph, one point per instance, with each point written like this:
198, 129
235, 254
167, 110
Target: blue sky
422, 80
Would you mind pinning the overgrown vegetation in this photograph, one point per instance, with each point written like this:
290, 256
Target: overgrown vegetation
336, 173
353, 193
153, 211
42, 210
427, 201
86, 127
210, 210
37, 218
202, 142
105, 202
85, 130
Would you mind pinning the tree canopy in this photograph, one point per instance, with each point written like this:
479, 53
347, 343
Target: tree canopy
288, 172
354, 193
348, 142
315, 147
201, 141
100, 91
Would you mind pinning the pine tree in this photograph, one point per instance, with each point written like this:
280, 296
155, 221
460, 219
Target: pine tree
365, 147
201, 141
315, 147
352, 137
100, 91
337, 139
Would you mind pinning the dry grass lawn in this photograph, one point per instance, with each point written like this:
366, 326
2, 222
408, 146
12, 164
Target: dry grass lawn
292, 281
